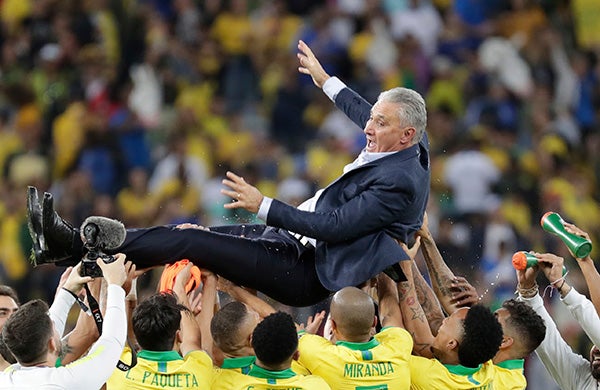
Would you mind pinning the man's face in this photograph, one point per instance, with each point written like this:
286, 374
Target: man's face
7, 308
384, 130
595, 362
450, 333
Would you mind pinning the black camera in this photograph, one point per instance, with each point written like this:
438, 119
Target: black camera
99, 234
89, 267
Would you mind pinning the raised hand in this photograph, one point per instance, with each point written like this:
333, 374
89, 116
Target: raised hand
244, 195
310, 65
463, 293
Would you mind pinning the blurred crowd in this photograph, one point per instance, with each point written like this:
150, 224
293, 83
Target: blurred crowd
134, 109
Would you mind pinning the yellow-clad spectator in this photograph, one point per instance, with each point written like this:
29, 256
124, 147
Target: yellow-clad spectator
67, 138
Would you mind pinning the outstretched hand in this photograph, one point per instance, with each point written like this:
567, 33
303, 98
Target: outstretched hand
244, 195
310, 65
313, 323
463, 293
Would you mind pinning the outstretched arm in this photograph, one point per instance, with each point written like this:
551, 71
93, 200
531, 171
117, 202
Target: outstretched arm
428, 300
389, 304
190, 331
451, 291
242, 295
208, 299
588, 268
567, 368
413, 316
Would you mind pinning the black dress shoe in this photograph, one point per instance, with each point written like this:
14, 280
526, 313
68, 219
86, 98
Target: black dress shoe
59, 236
34, 223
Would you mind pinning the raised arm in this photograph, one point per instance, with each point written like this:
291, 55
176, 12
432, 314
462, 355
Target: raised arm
85, 333
428, 300
446, 286
190, 330
588, 268
566, 367
95, 368
208, 299
389, 304
413, 316
240, 294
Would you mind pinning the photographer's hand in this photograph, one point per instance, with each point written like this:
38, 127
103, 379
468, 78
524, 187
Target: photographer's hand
114, 273
75, 281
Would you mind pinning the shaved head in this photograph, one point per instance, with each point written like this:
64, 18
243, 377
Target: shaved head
353, 312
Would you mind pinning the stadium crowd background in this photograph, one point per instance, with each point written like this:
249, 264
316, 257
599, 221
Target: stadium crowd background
135, 109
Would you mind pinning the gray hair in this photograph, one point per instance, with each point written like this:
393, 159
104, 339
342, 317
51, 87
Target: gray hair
412, 110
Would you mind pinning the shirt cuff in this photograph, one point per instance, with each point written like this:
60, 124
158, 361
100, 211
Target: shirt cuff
265, 206
573, 297
332, 87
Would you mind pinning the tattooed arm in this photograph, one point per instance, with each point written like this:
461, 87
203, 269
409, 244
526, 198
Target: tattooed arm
76, 343
413, 316
428, 300
452, 292
389, 305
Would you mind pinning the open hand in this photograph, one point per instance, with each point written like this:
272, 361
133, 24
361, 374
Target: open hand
244, 195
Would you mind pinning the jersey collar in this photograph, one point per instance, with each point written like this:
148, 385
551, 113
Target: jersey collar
259, 372
461, 370
512, 364
159, 356
238, 362
358, 346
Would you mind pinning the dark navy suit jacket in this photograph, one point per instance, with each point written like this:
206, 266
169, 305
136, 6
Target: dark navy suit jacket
359, 215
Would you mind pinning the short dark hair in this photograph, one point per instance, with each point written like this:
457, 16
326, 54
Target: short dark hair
482, 336
156, 321
225, 325
528, 324
8, 291
27, 332
275, 339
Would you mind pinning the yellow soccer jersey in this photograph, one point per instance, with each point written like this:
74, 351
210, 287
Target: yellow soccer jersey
430, 374
379, 364
509, 375
261, 379
163, 370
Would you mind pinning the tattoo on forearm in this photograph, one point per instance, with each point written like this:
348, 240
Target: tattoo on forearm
65, 348
433, 258
403, 290
417, 313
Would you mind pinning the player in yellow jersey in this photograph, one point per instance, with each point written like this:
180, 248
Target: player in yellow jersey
355, 359
162, 326
523, 329
462, 350
231, 328
275, 343
458, 355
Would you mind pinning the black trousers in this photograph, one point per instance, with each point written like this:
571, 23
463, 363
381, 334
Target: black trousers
256, 256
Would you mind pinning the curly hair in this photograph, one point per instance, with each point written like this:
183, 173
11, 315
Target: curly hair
482, 336
528, 325
275, 339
